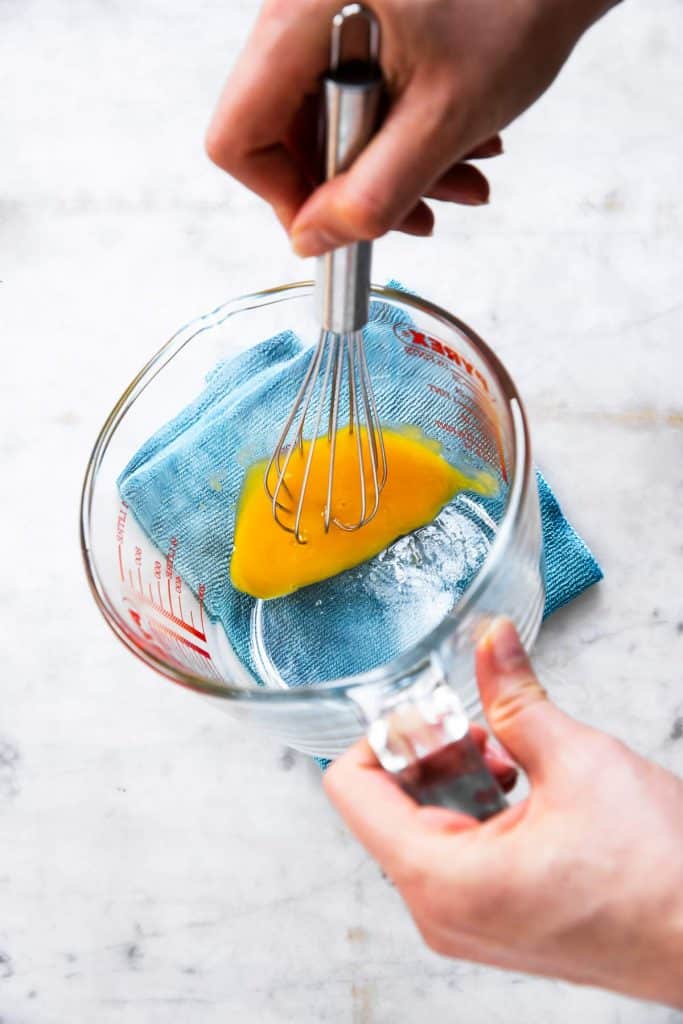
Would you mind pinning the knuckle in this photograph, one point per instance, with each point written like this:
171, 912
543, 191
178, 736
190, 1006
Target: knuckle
514, 700
436, 941
449, 105
225, 144
214, 146
444, 99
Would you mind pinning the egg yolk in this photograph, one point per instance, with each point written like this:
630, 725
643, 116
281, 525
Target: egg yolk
268, 561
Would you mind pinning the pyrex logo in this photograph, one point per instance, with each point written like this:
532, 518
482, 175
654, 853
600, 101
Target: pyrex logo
410, 336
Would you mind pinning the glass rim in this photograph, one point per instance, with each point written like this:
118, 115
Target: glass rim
403, 664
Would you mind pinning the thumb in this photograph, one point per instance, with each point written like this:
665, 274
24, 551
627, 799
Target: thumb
517, 707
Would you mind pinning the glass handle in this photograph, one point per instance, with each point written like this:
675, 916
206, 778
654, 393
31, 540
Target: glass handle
456, 777
421, 735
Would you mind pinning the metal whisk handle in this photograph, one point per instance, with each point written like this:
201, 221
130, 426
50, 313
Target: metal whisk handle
352, 93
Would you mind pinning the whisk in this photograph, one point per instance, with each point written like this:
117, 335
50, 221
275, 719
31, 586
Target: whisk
338, 372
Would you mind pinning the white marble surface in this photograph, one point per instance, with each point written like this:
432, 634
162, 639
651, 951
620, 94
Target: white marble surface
158, 864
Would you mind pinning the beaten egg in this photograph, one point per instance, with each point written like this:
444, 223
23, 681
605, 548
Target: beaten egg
268, 562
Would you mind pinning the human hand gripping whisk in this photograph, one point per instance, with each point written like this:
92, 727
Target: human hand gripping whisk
337, 377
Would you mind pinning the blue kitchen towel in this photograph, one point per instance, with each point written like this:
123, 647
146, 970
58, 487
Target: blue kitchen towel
185, 481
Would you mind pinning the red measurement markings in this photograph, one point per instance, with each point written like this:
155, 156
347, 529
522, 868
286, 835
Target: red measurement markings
170, 612
170, 559
462, 434
180, 623
179, 592
181, 639
121, 523
154, 644
137, 619
120, 534
413, 337
488, 412
157, 577
441, 392
189, 627
170, 646
200, 594
138, 563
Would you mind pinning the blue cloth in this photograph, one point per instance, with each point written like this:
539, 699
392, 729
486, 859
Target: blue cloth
185, 481
569, 567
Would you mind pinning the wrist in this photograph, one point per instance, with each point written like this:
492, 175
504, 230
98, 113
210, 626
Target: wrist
651, 968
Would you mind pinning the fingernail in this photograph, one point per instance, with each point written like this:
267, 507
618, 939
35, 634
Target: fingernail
505, 645
477, 199
494, 147
313, 242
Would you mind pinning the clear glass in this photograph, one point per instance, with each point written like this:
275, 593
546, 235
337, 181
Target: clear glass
470, 406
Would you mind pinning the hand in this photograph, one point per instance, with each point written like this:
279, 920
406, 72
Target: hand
583, 880
457, 71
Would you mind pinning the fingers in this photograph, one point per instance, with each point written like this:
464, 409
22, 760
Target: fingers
516, 705
411, 151
378, 811
461, 184
419, 222
273, 174
278, 68
372, 804
491, 147
383, 818
256, 136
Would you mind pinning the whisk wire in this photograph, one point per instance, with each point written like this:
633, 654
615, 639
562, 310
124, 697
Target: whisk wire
326, 343
337, 361
304, 396
375, 448
374, 428
332, 425
354, 425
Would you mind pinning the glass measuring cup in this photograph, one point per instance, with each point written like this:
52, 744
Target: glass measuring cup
414, 706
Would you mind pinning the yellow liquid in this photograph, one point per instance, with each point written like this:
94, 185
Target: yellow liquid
267, 561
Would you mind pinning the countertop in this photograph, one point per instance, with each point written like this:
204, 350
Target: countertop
160, 864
